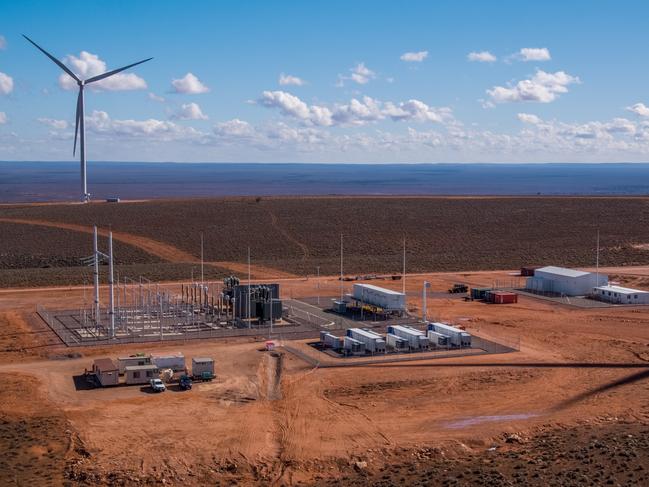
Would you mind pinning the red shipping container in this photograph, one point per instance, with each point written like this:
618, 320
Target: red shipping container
504, 298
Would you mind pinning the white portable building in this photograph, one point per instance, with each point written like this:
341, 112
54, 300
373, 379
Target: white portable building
124, 362
386, 299
567, 282
141, 374
436, 339
201, 365
396, 342
416, 339
621, 295
373, 341
173, 361
330, 341
456, 337
106, 372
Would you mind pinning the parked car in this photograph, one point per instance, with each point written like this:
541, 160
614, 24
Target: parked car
185, 382
157, 385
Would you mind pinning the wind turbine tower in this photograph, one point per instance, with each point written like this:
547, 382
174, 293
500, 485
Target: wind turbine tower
80, 125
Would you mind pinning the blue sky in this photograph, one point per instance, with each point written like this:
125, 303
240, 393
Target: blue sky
363, 81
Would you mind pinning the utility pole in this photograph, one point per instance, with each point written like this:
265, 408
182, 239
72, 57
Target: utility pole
96, 274
111, 285
249, 289
202, 275
403, 278
424, 313
341, 267
597, 261
318, 283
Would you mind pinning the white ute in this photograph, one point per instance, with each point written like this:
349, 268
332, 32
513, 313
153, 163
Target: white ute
157, 385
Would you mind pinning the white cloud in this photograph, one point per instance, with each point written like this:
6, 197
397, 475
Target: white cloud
190, 111
3, 43
189, 84
533, 54
6, 84
288, 80
414, 57
356, 112
88, 65
151, 129
639, 109
54, 123
3, 118
529, 118
542, 88
481, 57
154, 97
234, 128
360, 74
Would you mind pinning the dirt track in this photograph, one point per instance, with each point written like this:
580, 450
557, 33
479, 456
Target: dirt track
580, 374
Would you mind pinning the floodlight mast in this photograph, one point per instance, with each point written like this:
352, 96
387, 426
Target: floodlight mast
80, 124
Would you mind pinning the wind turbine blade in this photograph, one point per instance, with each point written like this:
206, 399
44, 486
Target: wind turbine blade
76, 126
59, 63
114, 71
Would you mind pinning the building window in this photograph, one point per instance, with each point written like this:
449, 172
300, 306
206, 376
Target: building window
136, 375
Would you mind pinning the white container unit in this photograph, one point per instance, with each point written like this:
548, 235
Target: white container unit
456, 337
416, 339
201, 365
353, 346
174, 361
437, 340
141, 374
329, 340
396, 342
386, 299
374, 343
123, 362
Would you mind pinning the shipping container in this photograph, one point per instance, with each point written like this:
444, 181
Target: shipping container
386, 299
174, 361
457, 337
340, 307
124, 362
479, 292
502, 297
374, 343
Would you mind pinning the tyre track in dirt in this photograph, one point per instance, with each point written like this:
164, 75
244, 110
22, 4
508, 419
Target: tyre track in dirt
288, 236
163, 250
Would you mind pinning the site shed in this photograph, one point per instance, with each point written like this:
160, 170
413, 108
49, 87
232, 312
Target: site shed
131, 360
173, 361
106, 371
565, 282
201, 365
621, 295
141, 374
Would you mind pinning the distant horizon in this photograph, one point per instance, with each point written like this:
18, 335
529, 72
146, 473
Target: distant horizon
279, 163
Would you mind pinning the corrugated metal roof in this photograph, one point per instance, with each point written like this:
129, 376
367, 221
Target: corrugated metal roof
621, 290
141, 367
367, 333
379, 289
202, 359
105, 364
562, 271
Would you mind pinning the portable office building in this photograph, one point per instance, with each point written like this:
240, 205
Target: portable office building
353, 346
141, 374
566, 282
386, 299
456, 337
106, 371
416, 339
124, 362
374, 343
621, 295
200, 365
396, 342
437, 340
173, 361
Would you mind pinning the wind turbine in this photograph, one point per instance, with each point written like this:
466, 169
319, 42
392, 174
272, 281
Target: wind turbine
80, 125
